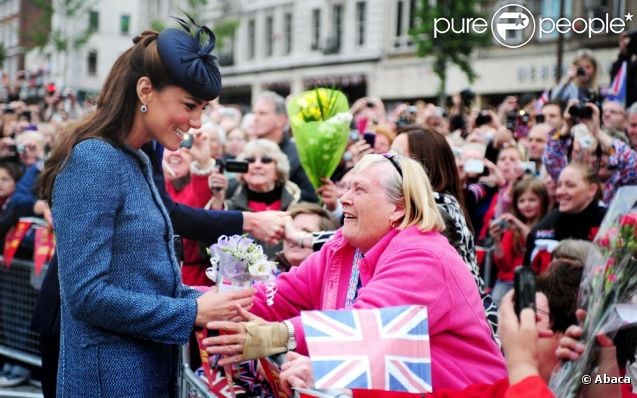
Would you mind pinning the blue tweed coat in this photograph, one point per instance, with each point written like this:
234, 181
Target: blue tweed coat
124, 308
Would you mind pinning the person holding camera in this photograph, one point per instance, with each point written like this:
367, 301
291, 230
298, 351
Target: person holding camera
509, 231
611, 159
580, 81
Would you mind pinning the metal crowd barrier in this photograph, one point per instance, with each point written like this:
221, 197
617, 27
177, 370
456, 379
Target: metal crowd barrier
19, 288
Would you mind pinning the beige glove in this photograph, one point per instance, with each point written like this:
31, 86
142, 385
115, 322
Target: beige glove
263, 340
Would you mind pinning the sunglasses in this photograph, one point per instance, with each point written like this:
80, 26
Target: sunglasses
264, 159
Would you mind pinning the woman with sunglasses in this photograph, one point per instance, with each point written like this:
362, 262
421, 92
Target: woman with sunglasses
265, 186
388, 253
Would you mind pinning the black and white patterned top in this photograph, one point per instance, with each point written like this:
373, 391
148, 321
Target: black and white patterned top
462, 240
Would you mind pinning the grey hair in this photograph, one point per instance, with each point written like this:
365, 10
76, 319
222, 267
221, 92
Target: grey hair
275, 99
632, 110
264, 147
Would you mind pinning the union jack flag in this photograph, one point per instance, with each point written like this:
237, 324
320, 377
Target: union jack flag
382, 349
617, 89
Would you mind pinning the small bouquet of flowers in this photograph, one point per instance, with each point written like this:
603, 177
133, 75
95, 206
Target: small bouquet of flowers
320, 120
608, 286
237, 262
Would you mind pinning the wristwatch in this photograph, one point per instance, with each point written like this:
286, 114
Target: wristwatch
291, 335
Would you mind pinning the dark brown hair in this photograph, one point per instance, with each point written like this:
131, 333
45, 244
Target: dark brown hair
537, 187
116, 105
432, 150
560, 283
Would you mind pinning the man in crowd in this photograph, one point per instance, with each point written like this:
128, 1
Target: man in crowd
270, 122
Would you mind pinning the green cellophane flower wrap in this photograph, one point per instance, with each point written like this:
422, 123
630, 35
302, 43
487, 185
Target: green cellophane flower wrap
320, 121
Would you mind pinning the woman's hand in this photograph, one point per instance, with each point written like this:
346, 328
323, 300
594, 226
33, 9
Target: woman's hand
41, 208
218, 184
359, 149
237, 335
495, 177
328, 193
570, 349
516, 223
519, 340
213, 306
296, 372
200, 149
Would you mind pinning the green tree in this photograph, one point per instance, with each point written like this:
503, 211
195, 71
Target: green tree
450, 48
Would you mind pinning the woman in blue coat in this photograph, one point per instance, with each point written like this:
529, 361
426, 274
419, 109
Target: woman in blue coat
124, 309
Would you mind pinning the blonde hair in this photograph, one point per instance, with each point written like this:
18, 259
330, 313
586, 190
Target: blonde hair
413, 190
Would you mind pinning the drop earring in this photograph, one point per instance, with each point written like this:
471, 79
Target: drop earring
143, 108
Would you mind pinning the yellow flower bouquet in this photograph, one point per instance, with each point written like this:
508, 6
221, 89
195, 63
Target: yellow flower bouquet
320, 121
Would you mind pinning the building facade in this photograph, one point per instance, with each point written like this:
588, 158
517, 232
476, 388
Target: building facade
20, 22
360, 46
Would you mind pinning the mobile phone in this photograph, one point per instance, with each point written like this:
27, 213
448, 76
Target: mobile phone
186, 142
370, 138
474, 166
524, 288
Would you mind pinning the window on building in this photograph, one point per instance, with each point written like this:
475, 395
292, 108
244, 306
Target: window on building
316, 28
334, 43
287, 45
360, 22
551, 9
269, 36
619, 8
405, 20
251, 39
93, 20
124, 24
399, 18
91, 64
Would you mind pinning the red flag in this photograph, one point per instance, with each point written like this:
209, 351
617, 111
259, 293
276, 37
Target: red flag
13, 239
271, 372
42, 248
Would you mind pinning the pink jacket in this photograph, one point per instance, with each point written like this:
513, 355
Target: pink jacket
405, 267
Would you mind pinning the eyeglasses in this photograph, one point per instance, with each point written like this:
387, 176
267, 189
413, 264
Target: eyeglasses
394, 159
264, 159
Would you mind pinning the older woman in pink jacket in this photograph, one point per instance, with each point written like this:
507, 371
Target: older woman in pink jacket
388, 253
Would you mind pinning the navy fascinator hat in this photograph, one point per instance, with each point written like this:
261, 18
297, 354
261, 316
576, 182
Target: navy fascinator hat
186, 55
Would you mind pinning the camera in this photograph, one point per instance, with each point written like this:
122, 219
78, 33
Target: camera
517, 118
539, 118
528, 167
231, 166
502, 223
580, 111
581, 71
483, 118
524, 288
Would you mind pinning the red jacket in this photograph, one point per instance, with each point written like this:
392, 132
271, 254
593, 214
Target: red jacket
510, 258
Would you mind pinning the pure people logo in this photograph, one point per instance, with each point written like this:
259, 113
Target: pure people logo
513, 25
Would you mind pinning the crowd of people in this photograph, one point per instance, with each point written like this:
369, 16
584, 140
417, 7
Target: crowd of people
157, 164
